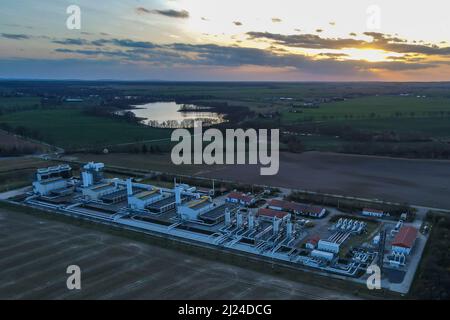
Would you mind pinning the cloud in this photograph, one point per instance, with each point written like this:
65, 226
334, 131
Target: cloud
173, 13
333, 55
407, 58
142, 10
15, 36
183, 14
183, 54
127, 43
71, 41
131, 43
395, 44
379, 41
97, 52
310, 41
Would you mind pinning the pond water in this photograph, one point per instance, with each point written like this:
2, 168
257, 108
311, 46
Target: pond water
168, 115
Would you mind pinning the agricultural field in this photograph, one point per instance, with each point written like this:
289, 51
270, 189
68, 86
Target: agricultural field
408, 120
435, 127
12, 145
71, 128
374, 107
17, 103
19, 172
117, 267
351, 175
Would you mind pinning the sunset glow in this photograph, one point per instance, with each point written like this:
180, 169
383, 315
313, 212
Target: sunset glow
153, 39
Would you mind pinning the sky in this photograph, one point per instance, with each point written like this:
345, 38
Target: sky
227, 40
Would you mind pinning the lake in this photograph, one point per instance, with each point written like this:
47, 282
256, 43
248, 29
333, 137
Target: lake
168, 115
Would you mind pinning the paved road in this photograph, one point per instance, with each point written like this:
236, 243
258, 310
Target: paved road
13, 193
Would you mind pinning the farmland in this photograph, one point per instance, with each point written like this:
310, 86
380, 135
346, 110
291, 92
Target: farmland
421, 182
70, 128
17, 103
389, 119
36, 252
375, 107
12, 145
18, 172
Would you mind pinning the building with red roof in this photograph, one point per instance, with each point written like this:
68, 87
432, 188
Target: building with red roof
312, 242
404, 240
297, 208
270, 213
244, 199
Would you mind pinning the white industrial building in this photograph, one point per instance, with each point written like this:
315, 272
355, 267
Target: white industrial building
143, 198
404, 240
312, 242
95, 192
192, 209
51, 179
373, 213
183, 213
329, 246
324, 255
46, 187
92, 174
297, 208
240, 198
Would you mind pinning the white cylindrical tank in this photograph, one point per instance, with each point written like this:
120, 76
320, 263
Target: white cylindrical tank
289, 229
251, 221
87, 179
178, 195
227, 217
129, 187
276, 225
239, 219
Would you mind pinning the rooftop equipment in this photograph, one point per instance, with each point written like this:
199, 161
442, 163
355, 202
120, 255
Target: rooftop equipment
92, 173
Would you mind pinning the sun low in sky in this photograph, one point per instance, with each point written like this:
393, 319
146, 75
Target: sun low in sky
283, 40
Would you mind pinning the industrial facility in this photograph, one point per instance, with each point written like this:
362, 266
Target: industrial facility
276, 229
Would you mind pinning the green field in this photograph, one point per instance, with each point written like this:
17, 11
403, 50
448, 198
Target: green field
70, 128
403, 112
373, 108
17, 103
435, 127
